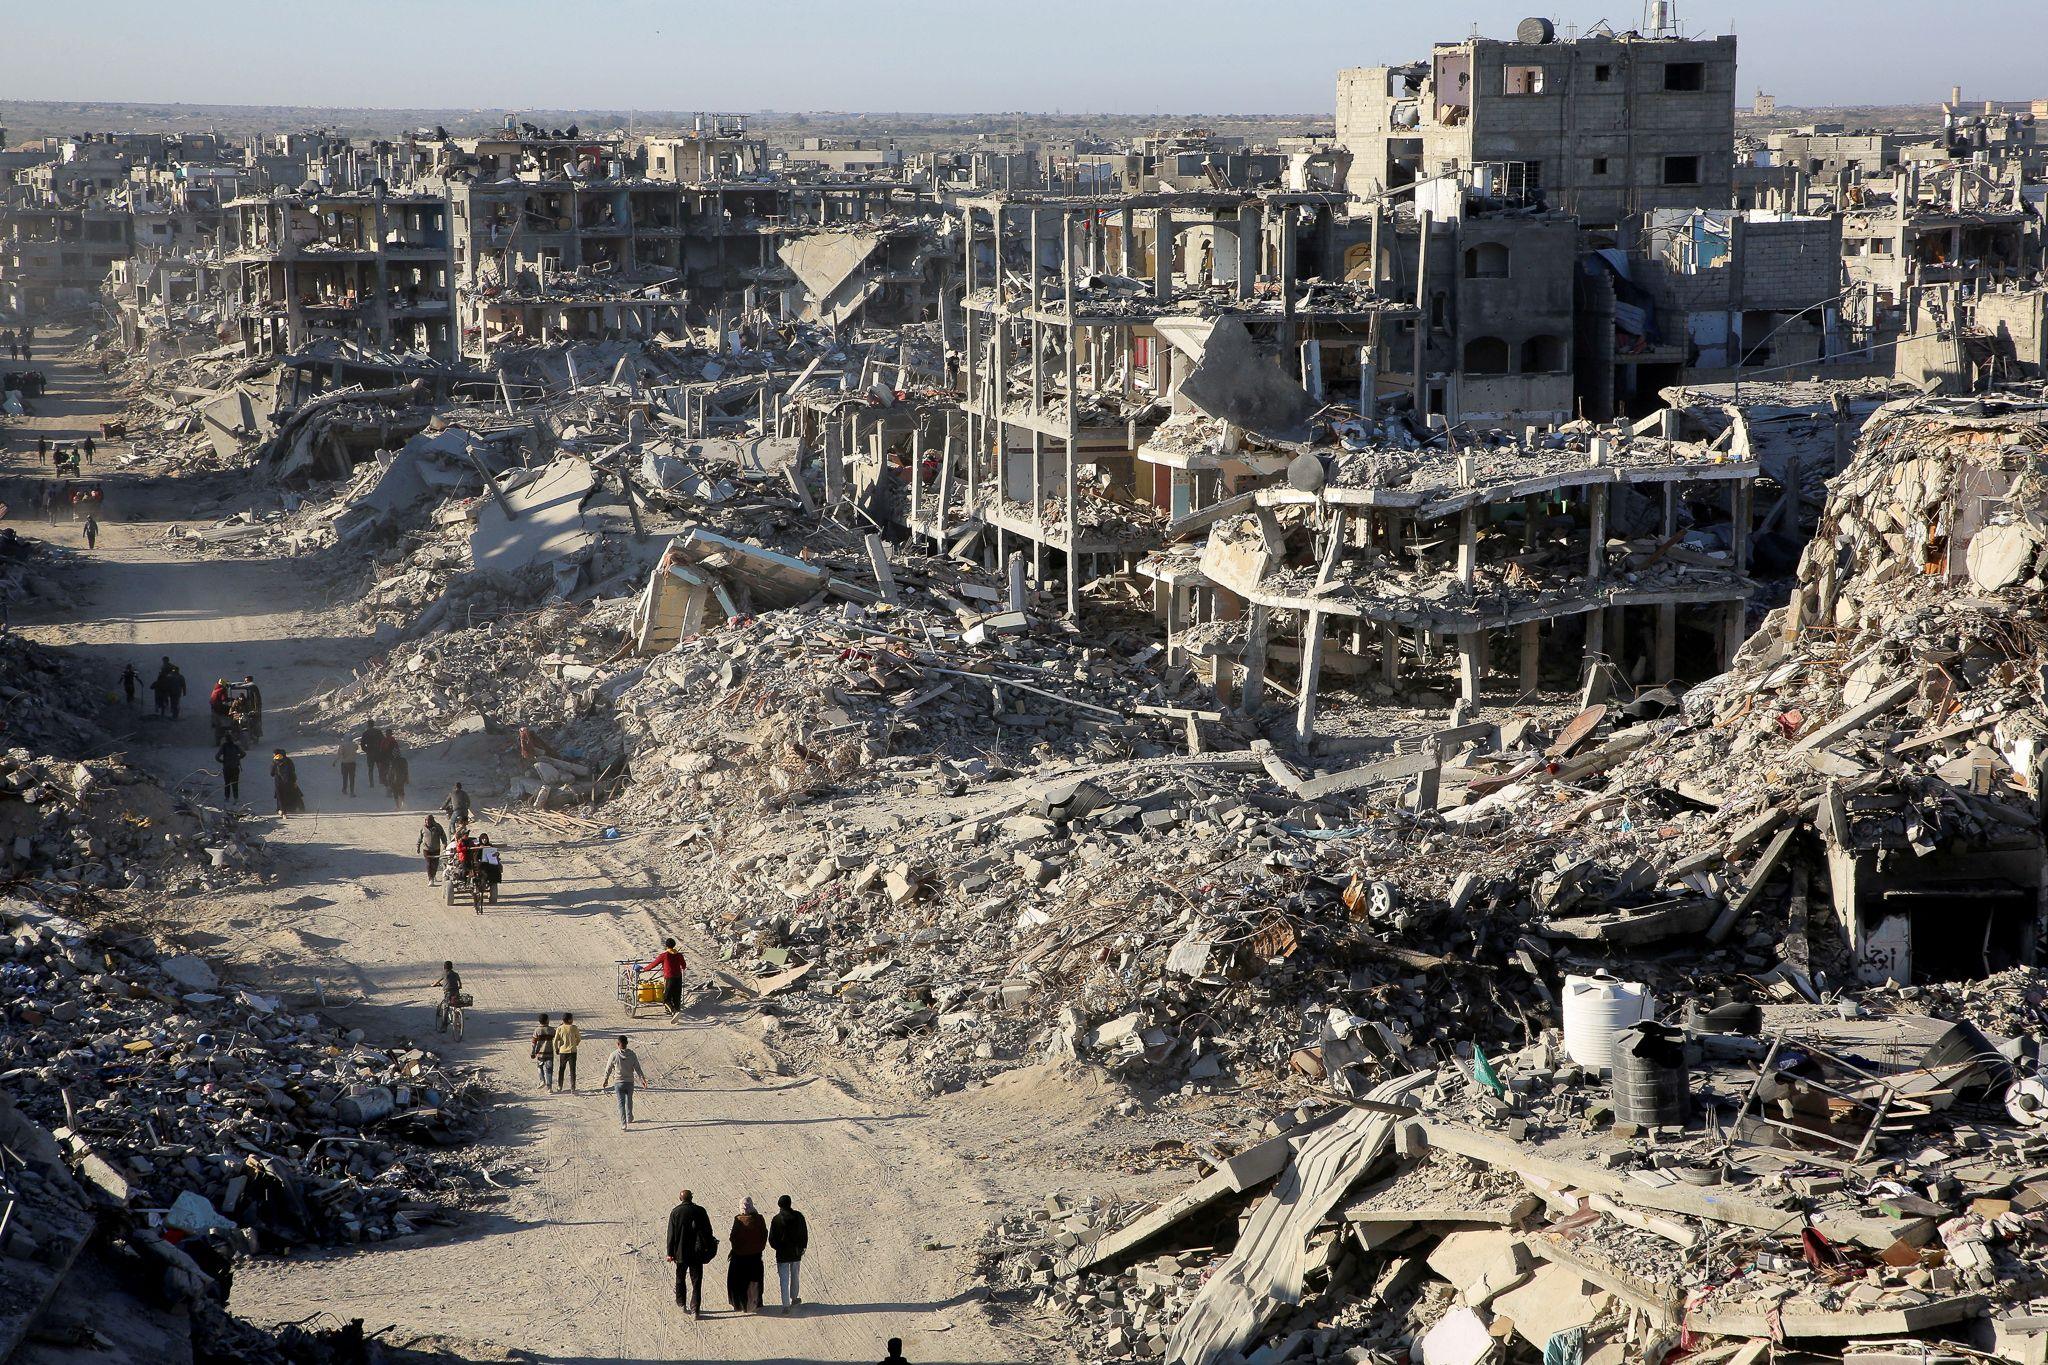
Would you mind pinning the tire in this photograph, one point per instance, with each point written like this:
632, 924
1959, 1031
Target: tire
448, 890
457, 1030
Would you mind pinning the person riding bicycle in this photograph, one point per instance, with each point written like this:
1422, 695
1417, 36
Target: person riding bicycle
451, 995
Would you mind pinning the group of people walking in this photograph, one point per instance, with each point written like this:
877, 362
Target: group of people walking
21, 343
169, 688
691, 1246
389, 767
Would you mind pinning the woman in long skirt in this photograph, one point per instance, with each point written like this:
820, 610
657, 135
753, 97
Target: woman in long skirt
744, 1272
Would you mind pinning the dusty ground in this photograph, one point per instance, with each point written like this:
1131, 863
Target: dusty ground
570, 1266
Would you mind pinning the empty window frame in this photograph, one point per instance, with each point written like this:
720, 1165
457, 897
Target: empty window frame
1544, 355
1681, 170
1599, 165
1685, 75
1486, 355
1487, 261
1603, 73
1522, 80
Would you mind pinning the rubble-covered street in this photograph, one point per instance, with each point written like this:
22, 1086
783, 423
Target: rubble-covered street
1409, 738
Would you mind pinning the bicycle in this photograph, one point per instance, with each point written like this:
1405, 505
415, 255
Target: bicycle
448, 1014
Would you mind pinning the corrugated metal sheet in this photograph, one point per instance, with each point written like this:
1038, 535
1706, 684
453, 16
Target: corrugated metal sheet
1265, 1270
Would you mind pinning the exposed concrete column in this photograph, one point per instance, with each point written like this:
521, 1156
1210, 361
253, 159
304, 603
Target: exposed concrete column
1468, 545
1253, 693
1038, 392
1129, 228
1073, 440
1311, 678
1529, 674
1422, 225
1732, 626
1471, 667
1593, 677
1176, 623
1664, 646
1162, 254
1390, 655
970, 343
1740, 500
1249, 230
1288, 250
1596, 533
1369, 370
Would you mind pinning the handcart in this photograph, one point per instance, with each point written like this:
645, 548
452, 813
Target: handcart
638, 986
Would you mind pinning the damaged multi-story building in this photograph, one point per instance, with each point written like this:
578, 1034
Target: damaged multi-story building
374, 268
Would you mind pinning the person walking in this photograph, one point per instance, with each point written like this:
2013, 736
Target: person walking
621, 1071
230, 756
432, 840
92, 531
743, 1272
670, 963
690, 1245
372, 740
895, 1356
42, 449
345, 759
542, 1051
789, 1234
87, 448
397, 772
284, 784
161, 686
130, 681
177, 687
567, 1039
457, 807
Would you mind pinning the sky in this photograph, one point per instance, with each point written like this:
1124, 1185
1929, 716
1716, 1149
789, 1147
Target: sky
1069, 56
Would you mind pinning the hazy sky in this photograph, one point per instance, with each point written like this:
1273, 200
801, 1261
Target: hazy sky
1209, 56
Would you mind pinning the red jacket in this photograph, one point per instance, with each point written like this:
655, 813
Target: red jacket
670, 962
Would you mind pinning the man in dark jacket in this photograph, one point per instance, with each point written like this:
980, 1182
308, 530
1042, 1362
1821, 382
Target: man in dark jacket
690, 1245
895, 1356
788, 1234
229, 756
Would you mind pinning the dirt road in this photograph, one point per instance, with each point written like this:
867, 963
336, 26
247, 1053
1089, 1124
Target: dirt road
571, 1265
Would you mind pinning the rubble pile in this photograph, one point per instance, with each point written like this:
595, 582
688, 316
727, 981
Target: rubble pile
521, 670
192, 414
33, 573
171, 1089
1784, 1188
71, 824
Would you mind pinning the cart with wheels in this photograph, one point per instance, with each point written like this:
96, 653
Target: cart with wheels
637, 987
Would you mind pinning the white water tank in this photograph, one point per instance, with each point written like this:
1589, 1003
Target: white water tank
1596, 1010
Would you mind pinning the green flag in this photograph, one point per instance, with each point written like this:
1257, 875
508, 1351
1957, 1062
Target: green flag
1482, 1072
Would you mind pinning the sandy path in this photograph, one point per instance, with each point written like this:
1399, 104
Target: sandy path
571, 1266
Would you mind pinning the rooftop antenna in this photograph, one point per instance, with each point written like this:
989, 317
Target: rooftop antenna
1660, 18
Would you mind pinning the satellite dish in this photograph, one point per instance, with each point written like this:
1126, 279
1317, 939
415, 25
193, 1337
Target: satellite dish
1535, 31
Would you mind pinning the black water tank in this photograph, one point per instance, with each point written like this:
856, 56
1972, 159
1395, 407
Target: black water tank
1651, 1087
1533, 31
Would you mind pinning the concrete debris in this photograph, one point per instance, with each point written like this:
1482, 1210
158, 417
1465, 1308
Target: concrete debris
1579, 867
